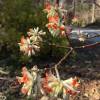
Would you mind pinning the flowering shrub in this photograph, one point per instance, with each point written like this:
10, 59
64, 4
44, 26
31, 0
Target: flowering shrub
50, 84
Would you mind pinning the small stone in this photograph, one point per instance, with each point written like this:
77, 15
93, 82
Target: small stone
86, 95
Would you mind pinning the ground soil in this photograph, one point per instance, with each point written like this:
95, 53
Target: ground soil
87, 69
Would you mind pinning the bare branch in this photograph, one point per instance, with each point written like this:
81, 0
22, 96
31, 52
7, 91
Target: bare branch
56, 65
67, 54
87, 46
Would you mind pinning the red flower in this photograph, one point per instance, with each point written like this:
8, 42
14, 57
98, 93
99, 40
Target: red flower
49, 25
46, 87
45, 84
53, 26
70, 92
47, 7
53, 19
24, 90
24, 78
23, 40
62, 28
27, 80
75, 83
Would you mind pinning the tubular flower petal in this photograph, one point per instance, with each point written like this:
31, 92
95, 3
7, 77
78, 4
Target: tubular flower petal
53, 86
27, 80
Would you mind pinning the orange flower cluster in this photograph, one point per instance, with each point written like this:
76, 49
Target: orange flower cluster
26, 80
53, 19
55, 24
45, 84
51, 85
25, 46
75, 84
30, 45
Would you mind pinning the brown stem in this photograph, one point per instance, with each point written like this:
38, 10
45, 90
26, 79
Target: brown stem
89, 45
77, 47
67, 54
56, 65
57, 73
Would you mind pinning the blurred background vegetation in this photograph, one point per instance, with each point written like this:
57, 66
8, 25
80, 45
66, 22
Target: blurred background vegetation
16, 17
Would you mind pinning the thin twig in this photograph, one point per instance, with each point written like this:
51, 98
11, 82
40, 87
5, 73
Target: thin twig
3, 72
79, 47
56, 65
64, 57
57, 73
89, 45
58, 46
71, 49
76, 47
68, 47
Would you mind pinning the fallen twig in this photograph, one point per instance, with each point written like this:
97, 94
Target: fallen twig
4, 72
